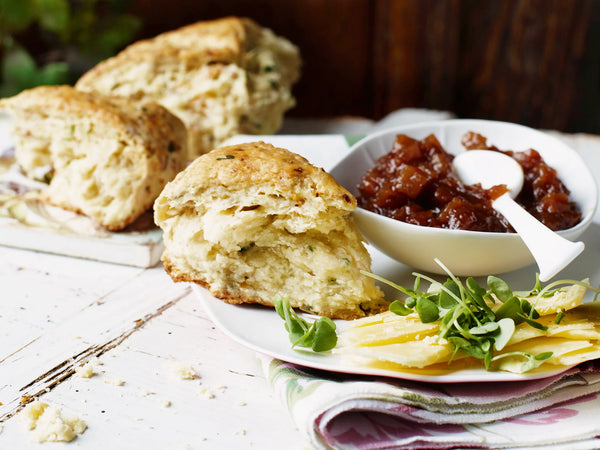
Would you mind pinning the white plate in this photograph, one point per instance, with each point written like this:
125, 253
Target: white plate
262, 330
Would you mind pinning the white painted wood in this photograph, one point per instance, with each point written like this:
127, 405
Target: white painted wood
133, 249
56, 309
142, 325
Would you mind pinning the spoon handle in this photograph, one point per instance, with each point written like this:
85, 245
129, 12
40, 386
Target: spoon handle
551, 251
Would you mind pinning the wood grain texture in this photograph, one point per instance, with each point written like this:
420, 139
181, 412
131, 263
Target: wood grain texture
58, 313
334, 37
416, 48
522, 60
535, 62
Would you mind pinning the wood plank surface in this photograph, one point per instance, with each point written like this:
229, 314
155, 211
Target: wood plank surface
59, 313
534, 62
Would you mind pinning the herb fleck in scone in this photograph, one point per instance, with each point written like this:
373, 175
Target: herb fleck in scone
250, 222
220, 77
105, 157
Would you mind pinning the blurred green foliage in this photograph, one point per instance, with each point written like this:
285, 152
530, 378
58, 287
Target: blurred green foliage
55, 41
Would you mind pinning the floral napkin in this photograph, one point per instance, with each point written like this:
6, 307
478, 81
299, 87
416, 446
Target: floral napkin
356, 412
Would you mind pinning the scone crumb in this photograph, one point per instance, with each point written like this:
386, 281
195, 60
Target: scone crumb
103, 156
49, 424
88, 370
184, 371
241, 432
266, 233
206, 392
115, 382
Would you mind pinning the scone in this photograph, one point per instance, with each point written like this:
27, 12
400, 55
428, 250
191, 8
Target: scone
105, 157
220, 77
250, 222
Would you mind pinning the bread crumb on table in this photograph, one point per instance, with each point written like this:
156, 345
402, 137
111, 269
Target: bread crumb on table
183, 371
115, 382
49, 424
89, 369
206, 392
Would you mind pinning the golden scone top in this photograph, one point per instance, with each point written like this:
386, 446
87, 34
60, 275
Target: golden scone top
259, 163
135, 120
225, 40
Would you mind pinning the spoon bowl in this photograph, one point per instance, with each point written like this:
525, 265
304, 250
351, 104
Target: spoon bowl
489, 168
551, 252
465, 253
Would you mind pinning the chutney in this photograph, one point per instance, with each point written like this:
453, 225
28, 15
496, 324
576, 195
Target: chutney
414, 183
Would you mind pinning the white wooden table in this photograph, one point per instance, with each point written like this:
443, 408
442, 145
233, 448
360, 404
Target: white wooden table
57, 312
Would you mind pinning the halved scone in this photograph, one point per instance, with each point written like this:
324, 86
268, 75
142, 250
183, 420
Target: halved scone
252, 221
105, 157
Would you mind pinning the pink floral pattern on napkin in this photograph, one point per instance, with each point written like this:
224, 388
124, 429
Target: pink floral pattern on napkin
544, 417
345, 412
363, 429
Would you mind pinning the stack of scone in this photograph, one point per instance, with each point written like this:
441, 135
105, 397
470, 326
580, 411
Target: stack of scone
249, 222
105, 157
110, 144
252, 221
222, 77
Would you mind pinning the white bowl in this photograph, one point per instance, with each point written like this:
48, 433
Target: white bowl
465, 253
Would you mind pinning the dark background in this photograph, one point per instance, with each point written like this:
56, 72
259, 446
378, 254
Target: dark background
535, 62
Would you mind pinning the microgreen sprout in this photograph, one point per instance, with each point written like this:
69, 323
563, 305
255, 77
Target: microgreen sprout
464, 310
467, 319
320, 335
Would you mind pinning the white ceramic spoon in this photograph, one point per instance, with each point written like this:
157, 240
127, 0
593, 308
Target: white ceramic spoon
551, 252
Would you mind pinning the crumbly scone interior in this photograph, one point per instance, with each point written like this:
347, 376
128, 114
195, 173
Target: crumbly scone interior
92, 168
209, 99
216, 100
255, 245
